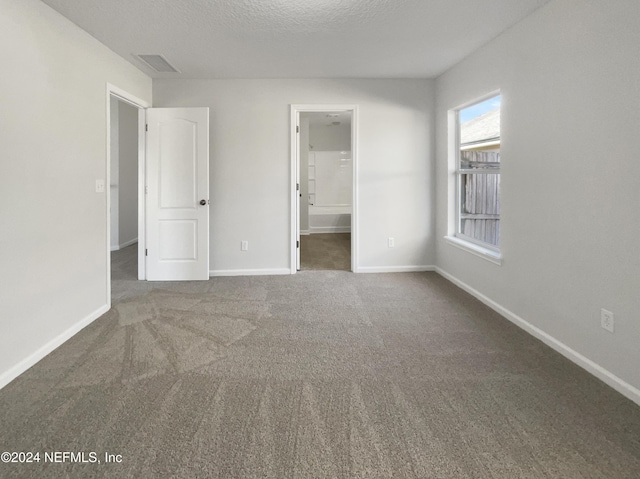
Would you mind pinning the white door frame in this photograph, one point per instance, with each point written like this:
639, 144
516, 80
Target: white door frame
295, 175
122, 95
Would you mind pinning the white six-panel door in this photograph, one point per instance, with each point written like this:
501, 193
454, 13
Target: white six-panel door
177, 195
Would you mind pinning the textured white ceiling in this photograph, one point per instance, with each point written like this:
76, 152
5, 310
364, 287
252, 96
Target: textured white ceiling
297, 38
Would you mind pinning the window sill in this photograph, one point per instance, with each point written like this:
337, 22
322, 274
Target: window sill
484, 253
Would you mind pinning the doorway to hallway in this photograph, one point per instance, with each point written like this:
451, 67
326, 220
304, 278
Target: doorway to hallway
123, 187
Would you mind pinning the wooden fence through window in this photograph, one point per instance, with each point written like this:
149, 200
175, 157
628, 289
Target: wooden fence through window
480, 209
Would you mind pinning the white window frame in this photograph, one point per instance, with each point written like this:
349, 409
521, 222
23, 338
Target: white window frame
455, 237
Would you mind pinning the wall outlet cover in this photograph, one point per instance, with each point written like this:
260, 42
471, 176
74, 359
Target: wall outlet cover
607, 320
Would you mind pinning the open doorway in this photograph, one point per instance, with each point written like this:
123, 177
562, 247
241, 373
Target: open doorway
123, 190
325, 188
125, 201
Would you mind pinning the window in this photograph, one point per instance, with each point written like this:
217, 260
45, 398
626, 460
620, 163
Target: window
478, 174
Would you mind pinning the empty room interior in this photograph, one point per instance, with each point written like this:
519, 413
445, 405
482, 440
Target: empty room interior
330, 238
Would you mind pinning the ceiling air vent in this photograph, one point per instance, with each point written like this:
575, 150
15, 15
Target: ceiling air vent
158, 63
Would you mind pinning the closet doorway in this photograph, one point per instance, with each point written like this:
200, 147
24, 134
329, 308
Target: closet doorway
325, 186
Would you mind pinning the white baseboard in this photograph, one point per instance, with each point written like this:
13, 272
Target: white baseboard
249, 272
395, 269
329, 229
124, 245
595, 369
304, 232
129, 243
15, 371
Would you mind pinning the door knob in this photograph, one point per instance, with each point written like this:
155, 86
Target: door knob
203, 202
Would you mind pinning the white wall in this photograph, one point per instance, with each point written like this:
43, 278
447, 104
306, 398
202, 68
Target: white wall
250, 166
570, 226
333, 177
53, 134
128, 174
333, 191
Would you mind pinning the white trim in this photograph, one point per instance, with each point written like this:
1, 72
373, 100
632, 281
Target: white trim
295, 111
355, 212
477, 250
595, 369
122, 95
142, 196
40, 353
249, 272
396, 269
126, 96
329, 229
479, 99
483, 144
305, 232
454, 147
128, 243
295, 194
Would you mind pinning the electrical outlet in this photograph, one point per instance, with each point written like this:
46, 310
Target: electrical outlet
244, 246
99, 186
391, 242
607, 320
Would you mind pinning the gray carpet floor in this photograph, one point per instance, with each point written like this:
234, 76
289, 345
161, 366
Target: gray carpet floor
324, 374
325, 251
